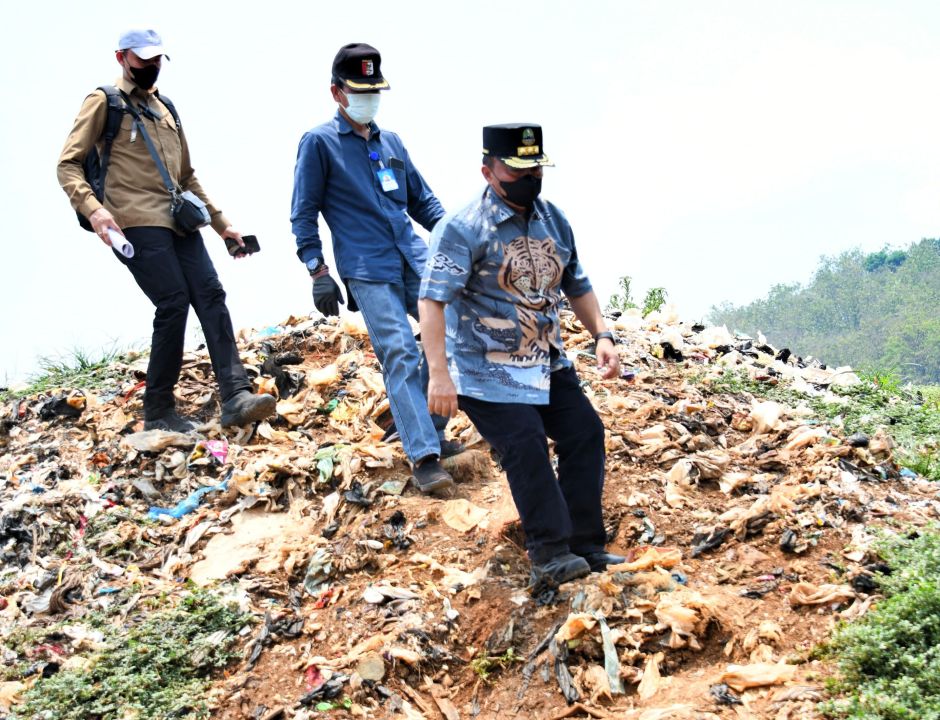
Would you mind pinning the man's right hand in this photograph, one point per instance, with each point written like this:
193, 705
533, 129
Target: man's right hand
101, 220
326, 295
442, 395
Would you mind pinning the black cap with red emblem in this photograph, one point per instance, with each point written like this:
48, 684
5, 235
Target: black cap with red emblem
359, 66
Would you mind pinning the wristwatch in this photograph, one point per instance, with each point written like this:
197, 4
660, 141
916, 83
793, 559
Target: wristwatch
315, 267
606, 334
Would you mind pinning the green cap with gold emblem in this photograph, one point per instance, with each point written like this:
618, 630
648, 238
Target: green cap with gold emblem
519, 145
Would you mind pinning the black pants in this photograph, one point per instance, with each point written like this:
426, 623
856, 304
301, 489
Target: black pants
175, 272
558, 513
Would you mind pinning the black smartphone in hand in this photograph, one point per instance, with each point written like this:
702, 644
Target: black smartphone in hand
251, 244
236, 250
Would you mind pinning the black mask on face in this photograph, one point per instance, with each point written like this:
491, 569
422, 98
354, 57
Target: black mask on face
144, 77
523, 191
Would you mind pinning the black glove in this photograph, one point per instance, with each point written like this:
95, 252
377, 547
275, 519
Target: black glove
326, 295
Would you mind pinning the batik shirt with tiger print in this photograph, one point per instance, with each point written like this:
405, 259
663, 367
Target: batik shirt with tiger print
502, 278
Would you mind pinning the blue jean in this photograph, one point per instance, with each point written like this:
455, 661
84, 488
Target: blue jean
385, 307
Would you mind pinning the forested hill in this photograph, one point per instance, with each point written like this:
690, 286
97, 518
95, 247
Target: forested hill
876, 312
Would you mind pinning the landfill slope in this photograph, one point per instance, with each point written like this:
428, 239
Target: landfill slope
747, 527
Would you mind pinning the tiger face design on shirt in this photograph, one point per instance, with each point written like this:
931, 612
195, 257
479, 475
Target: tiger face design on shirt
531, 272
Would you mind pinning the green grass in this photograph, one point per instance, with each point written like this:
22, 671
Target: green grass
889, 661
79, 369
910, 415
158, 669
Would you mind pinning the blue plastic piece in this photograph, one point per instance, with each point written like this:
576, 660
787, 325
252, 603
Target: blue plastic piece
187, 505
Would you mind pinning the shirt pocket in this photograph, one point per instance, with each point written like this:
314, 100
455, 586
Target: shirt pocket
400, 194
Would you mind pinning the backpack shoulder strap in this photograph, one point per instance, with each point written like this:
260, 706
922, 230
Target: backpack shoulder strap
116, 109
115, 113
172, 108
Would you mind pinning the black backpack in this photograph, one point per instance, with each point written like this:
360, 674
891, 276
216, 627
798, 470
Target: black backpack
95, 167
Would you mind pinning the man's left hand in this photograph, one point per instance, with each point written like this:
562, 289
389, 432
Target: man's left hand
608, 361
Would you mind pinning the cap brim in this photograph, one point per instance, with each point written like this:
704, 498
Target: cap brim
356, 85
523, 163
151, 51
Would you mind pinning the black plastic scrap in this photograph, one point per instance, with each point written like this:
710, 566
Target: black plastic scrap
285, 626
723, 695
859, 439
791, 542
59, 406
328, 690
532, 659
864, 583
563, 675
287, 383
355, 495
705, 541
543, 588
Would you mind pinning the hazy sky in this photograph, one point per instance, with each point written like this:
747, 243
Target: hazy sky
712, 148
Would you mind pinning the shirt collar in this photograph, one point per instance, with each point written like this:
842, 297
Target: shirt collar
502, 212
132, 90
343, 126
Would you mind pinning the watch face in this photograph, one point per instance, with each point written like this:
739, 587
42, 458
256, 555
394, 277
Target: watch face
314, 265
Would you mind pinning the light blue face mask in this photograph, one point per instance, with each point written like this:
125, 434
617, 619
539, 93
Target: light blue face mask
362, 107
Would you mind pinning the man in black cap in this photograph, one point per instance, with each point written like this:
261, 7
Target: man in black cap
363, 182
493, 286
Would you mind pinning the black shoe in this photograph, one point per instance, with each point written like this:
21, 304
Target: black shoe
169, 421
561, 568
430, 477
449, 448
601, 559
245, 407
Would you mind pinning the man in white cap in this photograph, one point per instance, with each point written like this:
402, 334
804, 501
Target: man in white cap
132, 199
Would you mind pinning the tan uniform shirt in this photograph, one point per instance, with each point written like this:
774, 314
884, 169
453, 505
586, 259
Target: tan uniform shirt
134, 191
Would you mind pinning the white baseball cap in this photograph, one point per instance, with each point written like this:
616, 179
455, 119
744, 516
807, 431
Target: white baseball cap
146, 44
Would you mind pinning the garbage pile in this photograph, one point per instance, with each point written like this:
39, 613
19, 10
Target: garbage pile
747, 527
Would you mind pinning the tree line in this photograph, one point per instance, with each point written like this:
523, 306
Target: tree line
876, 311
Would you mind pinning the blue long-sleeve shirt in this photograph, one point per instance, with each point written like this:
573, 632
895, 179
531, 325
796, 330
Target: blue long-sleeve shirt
371, 228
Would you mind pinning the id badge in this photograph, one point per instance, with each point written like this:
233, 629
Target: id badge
387, 179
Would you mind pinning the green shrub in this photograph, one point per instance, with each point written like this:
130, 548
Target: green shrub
889, 661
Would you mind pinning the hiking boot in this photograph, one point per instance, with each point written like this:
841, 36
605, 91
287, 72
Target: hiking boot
169, 421
561, 568
245, 407
430, 477
449, 448
601, 559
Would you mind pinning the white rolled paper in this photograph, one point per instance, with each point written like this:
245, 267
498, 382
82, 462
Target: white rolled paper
120, 243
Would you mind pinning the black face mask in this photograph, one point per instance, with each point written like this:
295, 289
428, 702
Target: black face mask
144, 77
523, 191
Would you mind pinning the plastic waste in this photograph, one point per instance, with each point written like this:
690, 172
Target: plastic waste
723, 695
187, 505
742, 677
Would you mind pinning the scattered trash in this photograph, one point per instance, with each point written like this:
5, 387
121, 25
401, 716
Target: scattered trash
307, 521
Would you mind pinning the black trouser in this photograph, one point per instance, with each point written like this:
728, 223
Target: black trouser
558, 513
175, 272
